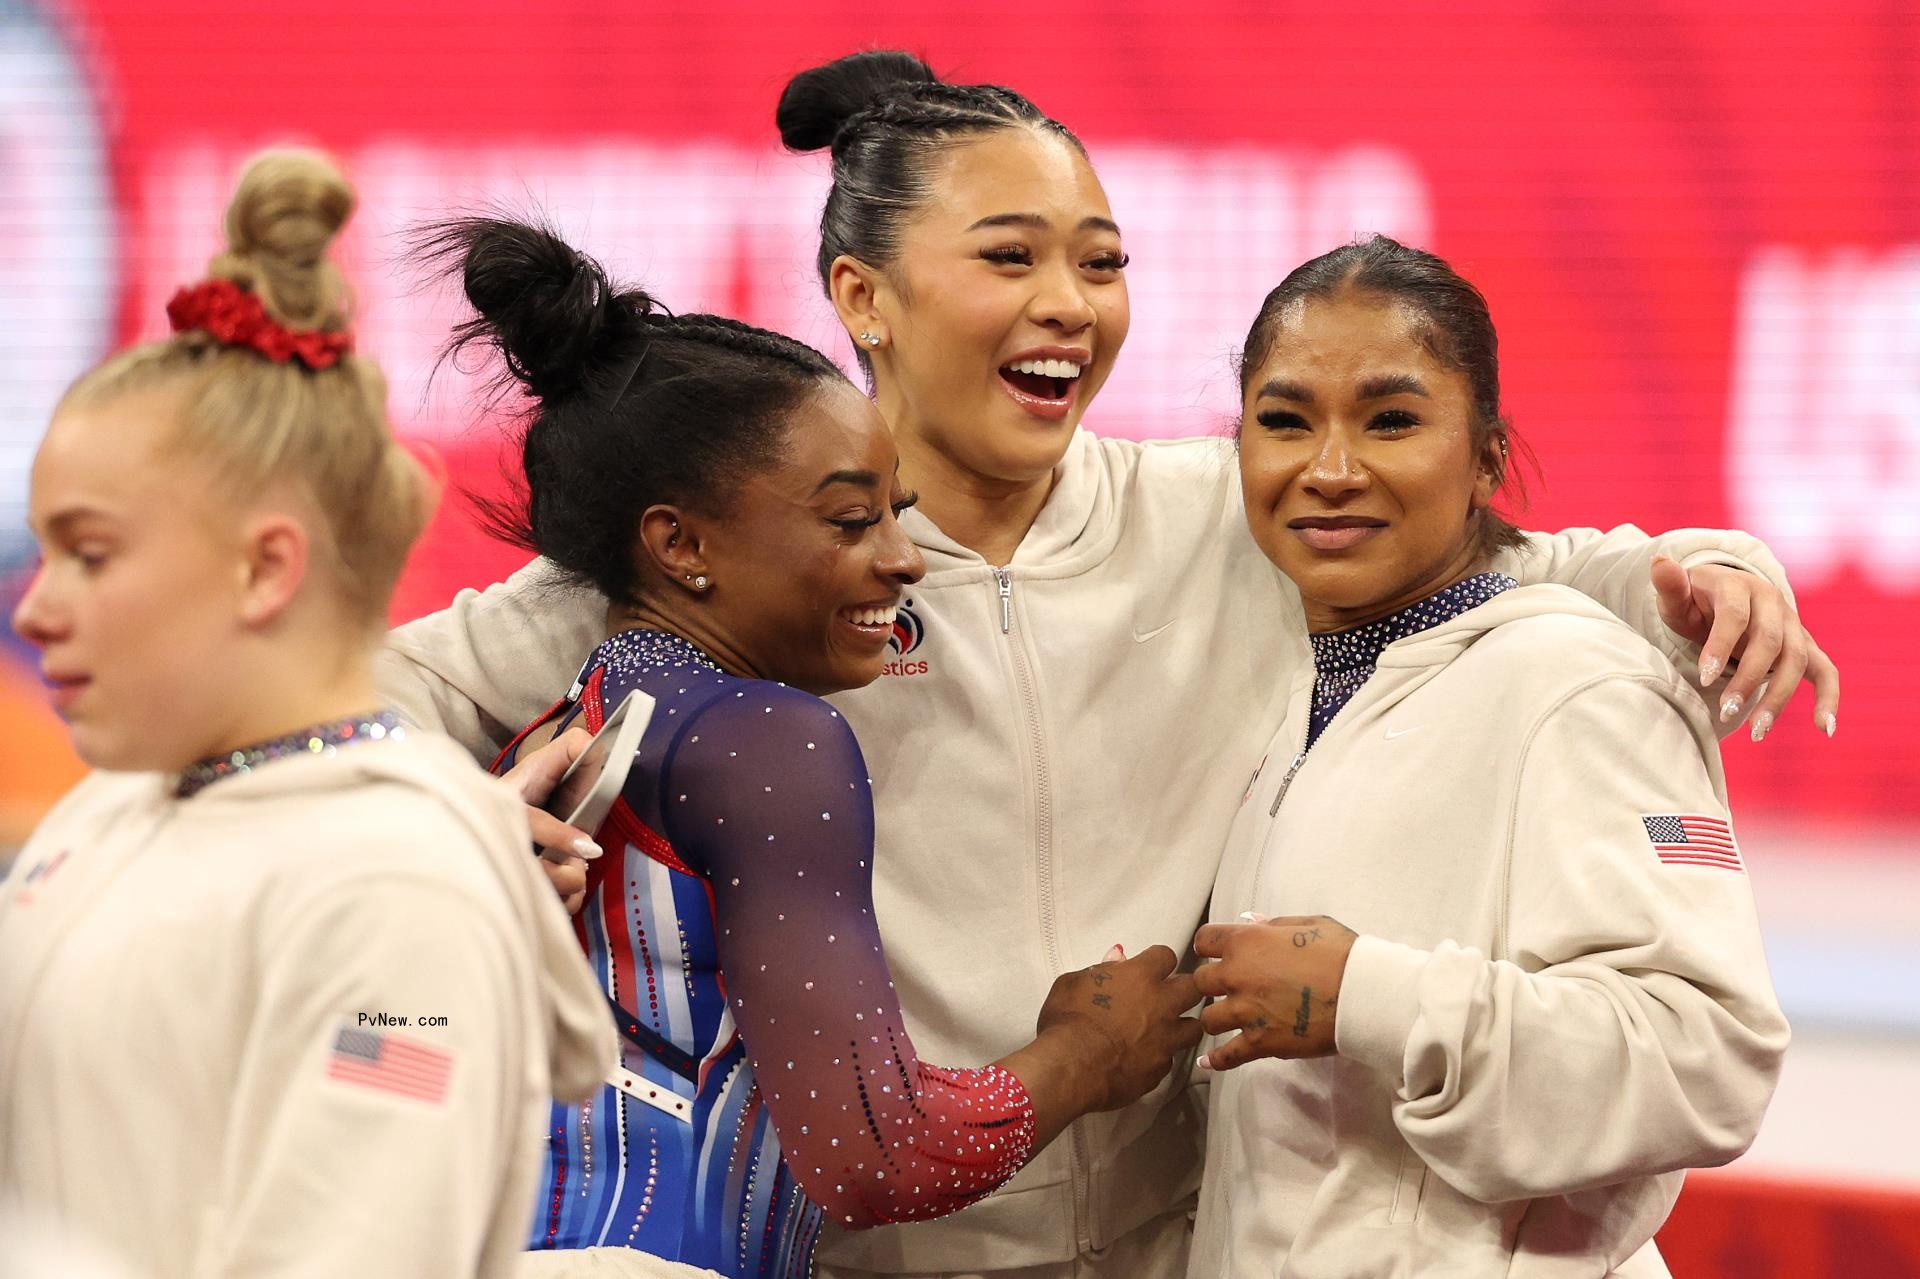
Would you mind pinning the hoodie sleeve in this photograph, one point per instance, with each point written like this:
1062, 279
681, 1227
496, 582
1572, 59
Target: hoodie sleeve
493, 660
364, 1148
770, 794
1633, 1030
1615, 569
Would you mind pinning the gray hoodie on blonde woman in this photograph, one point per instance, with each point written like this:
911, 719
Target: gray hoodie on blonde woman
1058, 749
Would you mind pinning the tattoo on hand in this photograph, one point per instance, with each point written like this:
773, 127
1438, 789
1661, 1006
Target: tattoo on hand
1305, 935
1100, 978
1302, 1017
1103, 1001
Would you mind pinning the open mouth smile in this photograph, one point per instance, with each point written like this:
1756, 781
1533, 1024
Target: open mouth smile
871, 621
1044, 385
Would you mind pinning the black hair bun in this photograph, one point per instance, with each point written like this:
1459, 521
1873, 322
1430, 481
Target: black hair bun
817, 103
549, 308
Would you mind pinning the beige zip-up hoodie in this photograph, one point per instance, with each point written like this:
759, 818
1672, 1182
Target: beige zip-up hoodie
1545, 1017
175, 978
1057, 754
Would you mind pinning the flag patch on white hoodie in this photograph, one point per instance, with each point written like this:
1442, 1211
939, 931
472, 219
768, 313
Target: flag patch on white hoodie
1692, 839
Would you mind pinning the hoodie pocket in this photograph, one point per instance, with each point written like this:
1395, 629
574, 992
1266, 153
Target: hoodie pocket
1408, 1189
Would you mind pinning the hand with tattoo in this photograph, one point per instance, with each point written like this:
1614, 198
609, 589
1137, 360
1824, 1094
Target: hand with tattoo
1119, 1023
1277, 982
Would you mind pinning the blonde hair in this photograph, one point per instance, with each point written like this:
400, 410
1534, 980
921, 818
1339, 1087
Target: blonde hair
259, 422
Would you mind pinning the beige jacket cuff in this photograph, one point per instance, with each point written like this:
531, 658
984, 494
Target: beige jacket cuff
1379, 1002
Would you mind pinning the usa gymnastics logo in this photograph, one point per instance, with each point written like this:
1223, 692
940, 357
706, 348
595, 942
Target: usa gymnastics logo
908, 629
908, 634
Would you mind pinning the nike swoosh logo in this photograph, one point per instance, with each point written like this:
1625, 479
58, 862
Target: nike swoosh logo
1391, 734
1141, 637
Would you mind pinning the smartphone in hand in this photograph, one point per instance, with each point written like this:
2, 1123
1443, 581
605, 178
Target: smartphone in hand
585, 793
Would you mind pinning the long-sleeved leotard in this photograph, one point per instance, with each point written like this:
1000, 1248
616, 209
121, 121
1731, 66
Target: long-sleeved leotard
731, 920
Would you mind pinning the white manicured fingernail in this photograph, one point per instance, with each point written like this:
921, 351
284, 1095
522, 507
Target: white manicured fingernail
1254, 917
1731, 707
1205, 1063
1828, 723
1116, 953
1762, 723
1710, 670
584, 847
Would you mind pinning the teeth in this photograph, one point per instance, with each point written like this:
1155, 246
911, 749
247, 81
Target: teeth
1047, 368
872, 616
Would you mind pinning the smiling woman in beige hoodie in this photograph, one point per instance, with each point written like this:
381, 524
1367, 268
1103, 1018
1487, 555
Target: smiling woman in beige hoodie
1501, 978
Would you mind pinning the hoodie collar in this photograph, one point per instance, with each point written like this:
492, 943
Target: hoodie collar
1077, 511
1441, 644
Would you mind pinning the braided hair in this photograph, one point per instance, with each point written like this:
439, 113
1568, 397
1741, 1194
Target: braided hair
884, 115
631, 405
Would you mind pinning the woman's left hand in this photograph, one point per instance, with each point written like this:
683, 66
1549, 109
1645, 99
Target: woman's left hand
1737, 616
1276, 981
564, 850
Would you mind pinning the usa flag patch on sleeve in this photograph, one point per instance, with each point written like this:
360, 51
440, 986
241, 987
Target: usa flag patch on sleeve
1692, 839
390, 1064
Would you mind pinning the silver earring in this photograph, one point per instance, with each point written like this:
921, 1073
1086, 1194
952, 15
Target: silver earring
871, 339
700, 582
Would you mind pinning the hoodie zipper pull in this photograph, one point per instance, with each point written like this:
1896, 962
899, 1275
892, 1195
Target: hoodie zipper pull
1287, 781
1006, 599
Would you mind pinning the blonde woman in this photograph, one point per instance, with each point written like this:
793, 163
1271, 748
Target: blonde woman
281, 992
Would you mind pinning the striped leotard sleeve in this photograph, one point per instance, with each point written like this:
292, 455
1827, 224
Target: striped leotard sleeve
768, 792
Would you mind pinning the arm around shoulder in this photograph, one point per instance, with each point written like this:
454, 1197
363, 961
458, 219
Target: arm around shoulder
492, 661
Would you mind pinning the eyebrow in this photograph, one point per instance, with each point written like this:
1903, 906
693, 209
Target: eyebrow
862, 479
1374, 388
63, 519
1379, 388
1281, 389
1035, 222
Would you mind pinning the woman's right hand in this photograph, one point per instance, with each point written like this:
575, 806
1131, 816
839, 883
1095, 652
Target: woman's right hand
564, 850
1106, 1037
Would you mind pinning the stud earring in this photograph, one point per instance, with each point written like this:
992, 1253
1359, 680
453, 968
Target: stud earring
699, 583
871, 339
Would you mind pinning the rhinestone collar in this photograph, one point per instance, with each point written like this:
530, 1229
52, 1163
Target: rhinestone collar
320, 739
1344, 660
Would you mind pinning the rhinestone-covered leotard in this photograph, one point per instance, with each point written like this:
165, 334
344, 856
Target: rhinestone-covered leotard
731, 921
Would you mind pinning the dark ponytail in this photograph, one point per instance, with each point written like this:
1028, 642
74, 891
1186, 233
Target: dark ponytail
884, 115
631, 406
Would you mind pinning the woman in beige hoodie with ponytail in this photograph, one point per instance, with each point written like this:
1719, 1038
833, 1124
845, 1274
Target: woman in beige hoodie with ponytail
1485, 959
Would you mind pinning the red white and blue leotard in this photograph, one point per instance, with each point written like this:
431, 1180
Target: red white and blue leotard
731, 922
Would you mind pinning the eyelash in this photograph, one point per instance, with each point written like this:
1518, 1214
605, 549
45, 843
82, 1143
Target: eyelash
860, 526
1016, 256
1391, 420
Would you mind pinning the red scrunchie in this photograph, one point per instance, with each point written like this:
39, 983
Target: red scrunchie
235, 317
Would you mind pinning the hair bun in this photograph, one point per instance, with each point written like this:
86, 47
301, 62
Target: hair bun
816, 104
546, 306
288, 207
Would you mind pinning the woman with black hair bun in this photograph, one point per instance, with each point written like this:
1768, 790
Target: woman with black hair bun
735, 501
1090, 671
